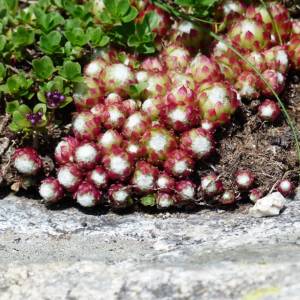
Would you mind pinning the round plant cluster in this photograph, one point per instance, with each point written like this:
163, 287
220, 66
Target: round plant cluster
144, 126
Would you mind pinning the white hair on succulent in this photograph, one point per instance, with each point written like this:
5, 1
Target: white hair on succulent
87, 195
285, 187
244, 179
69, 176
27, 161
86, 155
51, 190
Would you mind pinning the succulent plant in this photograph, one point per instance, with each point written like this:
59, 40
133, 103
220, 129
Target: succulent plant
27, 161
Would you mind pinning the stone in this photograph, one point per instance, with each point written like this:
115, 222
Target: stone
70, 253
268, 206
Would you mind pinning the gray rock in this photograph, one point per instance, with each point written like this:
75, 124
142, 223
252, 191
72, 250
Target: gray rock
268, 206
68, 254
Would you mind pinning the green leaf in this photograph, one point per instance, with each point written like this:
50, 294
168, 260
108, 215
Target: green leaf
67, 101
71, 71
131, 15
111, 6
57, 84
12, 5
17, 83
41, 96
48, 22
50, 43
24, 109
22, 36
148, 200
2, 42
20, 119
14, 127
12, 106
77, 36
135, 90
72, 23
40, 107
13, 84
2, 72
122, 7
43, 67
97, 37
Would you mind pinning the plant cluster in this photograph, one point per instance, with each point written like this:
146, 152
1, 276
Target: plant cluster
144, 125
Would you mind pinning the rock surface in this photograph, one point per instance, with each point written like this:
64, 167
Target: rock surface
270, 205
68, 254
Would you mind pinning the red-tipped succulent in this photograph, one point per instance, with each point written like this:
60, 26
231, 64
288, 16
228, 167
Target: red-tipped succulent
208, 126
113, 116
135, 125
255, 194
275, 11
27, 161
179, 116
164, 200
185, 191
108, 140
248, 85
64, 151
275, 79
165, 183
188, 34
51, 190
69, 176
86, 126
86, 155
249, 35
204, 69
157, 85
179, 164
217, 101
153, 64
152, 107
257, 59
269, 111
87, 195
177, 58
113, 98
228, 198
94, 68
130, 106
244, 179
197, 142
117, 78
118, 164
98, 177
144, 177
179, 80
119, 196
211, 185
88, 94
277, 59
158, 143
286, 187
135, 149
294, 52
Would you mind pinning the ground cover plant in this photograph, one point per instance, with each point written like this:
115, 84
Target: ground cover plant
152, 103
